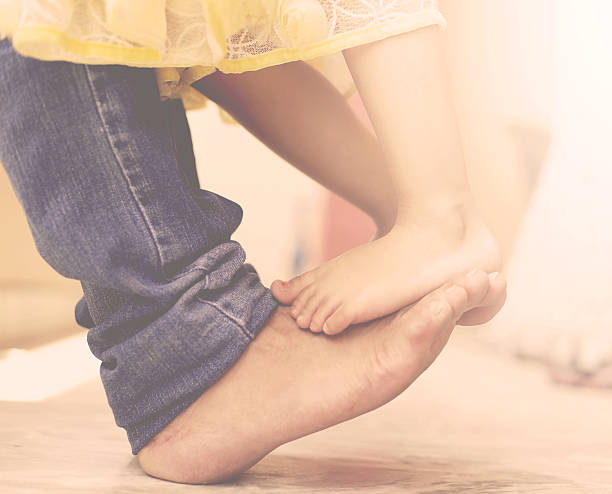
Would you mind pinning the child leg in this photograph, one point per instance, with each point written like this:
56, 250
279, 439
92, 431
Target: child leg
297, 113
403, 84
438, 233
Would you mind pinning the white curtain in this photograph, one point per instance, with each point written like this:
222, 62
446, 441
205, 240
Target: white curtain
560, 293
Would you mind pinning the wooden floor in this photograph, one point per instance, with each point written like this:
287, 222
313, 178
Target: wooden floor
476, 422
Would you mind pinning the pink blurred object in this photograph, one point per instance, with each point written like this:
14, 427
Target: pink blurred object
344, 227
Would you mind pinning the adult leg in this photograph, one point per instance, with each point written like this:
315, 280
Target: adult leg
105, 173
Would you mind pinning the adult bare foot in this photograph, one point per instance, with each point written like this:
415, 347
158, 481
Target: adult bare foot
290, 383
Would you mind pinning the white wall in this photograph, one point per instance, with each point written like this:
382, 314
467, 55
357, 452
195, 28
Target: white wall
501, 60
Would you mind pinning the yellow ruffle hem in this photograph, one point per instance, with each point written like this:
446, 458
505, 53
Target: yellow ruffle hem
186, 40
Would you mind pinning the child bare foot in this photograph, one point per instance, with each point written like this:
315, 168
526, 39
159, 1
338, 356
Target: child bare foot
380, 277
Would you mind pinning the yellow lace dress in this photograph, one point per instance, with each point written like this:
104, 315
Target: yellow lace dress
189, 39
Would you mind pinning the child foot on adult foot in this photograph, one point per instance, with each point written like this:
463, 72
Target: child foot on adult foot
381, 276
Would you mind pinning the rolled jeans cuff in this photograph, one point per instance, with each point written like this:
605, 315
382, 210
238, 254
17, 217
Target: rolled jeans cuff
166, 365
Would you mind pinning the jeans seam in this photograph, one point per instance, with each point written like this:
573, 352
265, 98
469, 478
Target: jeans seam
238, 323
119, 161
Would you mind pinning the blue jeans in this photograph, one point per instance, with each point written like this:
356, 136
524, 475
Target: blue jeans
106, 175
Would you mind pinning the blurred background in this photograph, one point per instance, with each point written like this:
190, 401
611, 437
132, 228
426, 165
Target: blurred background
528, 100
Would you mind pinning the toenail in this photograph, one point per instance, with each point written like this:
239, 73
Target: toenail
494, 275
450, 289
437, 307
473, 273
454, 291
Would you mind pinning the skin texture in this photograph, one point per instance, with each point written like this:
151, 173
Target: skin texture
290, 383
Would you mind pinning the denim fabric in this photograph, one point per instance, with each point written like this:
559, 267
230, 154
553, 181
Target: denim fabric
106, 175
